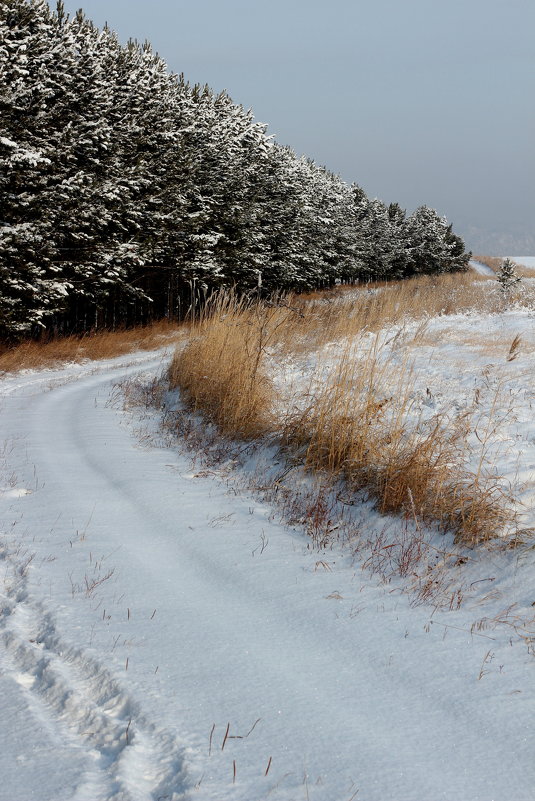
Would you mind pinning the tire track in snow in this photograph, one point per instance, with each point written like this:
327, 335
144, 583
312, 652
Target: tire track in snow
81, 701
134, 761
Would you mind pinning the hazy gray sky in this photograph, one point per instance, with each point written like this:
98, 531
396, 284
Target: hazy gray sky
418, 101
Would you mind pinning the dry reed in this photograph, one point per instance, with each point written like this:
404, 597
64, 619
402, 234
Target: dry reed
221, 368
347, 311
360, 426
356, 422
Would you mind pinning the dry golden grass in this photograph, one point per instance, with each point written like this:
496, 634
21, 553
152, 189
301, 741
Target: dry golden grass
523, 271
355, 423
347, 311
221, 368
356, 429
102, 345
302, 322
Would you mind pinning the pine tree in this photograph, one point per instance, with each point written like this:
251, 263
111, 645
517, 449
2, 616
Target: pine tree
399, 241
507, 277
432, 247
125, 191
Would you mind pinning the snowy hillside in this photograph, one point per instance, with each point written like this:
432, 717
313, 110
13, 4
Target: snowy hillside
170, 630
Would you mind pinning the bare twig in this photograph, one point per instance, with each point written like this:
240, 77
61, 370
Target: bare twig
225, 737
210, 741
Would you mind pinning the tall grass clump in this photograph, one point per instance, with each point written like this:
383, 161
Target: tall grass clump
361, 426
221, 369
359, 420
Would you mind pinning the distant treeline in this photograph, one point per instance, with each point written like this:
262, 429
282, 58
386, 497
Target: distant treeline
125, 191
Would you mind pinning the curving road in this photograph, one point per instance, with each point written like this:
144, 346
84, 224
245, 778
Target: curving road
163, 638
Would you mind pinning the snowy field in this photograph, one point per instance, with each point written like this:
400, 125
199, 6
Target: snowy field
166, 635
525, 261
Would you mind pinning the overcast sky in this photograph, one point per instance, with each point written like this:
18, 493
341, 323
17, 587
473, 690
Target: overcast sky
418, 101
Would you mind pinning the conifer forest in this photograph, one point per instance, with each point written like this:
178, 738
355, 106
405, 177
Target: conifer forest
127, 193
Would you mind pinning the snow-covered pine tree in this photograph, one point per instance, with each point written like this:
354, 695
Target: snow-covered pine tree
507, 277
432, 247
399, 241
371, 232
27, 42
124, 189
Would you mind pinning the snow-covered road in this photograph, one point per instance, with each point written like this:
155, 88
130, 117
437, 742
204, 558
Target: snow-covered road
163, 638
482, 269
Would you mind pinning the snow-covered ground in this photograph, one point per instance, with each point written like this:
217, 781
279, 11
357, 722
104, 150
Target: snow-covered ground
165, 636
482, 269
